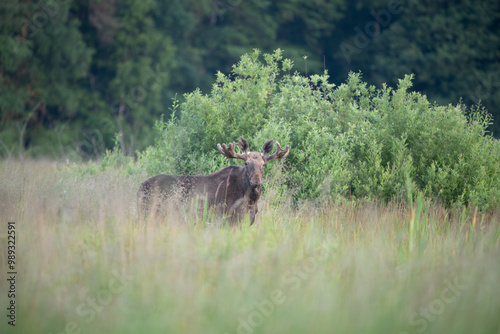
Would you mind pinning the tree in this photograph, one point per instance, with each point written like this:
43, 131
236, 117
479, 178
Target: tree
453, 48
41, 74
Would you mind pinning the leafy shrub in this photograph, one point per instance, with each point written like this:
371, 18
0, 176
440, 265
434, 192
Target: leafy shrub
346, 140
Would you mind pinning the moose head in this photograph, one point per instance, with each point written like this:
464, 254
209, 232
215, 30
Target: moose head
255, 162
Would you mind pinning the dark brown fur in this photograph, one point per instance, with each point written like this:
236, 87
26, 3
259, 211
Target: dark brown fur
234, 189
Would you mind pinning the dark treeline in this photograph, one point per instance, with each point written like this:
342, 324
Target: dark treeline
74, 74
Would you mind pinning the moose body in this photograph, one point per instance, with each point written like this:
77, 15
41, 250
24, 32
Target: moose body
234, 190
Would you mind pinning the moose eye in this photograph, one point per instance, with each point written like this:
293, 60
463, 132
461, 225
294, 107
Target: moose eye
246, 163
264, 165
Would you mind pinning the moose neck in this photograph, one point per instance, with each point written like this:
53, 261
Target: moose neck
251, 193
254, 194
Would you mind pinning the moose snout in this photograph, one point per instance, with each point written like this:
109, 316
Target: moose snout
256, 184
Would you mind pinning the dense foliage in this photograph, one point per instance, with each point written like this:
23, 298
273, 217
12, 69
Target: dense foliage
346, 140
73, 74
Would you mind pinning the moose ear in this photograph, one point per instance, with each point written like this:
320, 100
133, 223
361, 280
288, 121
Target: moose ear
267, 147
243, 145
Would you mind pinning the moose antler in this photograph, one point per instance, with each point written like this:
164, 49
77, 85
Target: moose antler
229, 152
279, 154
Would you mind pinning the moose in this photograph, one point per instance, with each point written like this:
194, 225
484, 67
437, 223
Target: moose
235, 190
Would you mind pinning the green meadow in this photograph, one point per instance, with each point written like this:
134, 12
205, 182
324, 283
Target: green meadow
85, 264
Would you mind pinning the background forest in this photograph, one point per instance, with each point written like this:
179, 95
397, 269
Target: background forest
74, 74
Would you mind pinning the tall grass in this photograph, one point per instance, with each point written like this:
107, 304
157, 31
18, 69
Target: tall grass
86, 266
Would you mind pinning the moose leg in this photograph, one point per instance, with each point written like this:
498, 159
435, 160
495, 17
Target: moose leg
153, 193
253, 212
237, 211
144, 199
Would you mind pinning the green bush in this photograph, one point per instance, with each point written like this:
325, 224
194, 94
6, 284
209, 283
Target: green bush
347, 140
